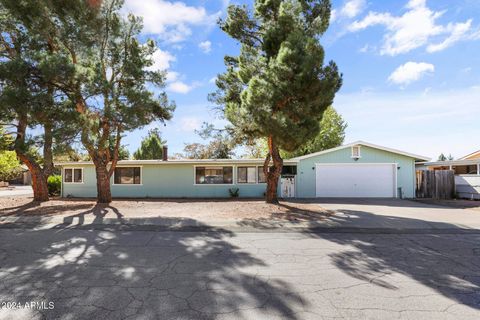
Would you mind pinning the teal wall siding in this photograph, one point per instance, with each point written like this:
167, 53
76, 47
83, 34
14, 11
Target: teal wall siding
405, 175
162, 181
177, 180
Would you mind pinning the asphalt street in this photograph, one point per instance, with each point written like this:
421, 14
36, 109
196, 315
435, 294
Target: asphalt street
69, 273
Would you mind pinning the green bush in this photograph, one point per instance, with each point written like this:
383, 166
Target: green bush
54, 185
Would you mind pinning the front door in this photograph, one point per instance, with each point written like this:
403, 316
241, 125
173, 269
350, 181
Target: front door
288, 187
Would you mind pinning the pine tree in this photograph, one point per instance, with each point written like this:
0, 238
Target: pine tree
278, 87
331, 135
27, 101
101, 66
151, 147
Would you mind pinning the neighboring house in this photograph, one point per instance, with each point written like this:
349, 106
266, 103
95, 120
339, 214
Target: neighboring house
358, 169
472, 156
467, 173
24, 177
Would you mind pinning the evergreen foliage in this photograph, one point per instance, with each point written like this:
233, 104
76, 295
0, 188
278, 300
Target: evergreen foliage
278, 87
151, 147
98, 63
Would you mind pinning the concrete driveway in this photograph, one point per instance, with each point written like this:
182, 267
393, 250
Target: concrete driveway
398, 214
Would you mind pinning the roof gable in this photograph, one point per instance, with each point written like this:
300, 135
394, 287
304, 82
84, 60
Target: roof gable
471, 156
363, 143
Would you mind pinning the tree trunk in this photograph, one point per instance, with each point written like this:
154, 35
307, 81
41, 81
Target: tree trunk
104, 194
47, 150
39, 181
273, 172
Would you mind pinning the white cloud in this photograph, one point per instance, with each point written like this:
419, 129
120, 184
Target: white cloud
352, 8
172, 76
189, 124
410, 71
179, 86
417, 27
205, 46
333, 15
458, 32
349, 10
161, 60
171, 21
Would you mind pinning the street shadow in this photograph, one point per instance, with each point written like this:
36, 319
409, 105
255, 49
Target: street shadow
99, 211
34, 208
115, 274
444, 257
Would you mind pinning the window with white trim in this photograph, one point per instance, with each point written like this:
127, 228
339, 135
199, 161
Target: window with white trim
246, 174
261, 175
73, 175
127, 175
356, 152
214, 175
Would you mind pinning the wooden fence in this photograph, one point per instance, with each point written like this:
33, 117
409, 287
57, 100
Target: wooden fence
435, 184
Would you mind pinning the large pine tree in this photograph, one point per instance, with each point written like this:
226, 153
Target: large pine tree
101, 66
27, 100
278, 87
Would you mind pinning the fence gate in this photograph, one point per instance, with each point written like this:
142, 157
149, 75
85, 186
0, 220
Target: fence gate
435, 184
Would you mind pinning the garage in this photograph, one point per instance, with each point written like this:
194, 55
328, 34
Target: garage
375, 180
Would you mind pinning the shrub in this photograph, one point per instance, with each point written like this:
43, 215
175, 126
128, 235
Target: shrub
54, 185
9, 165
234, 192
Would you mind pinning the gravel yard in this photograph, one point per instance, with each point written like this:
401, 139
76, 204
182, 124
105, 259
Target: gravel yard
206, 209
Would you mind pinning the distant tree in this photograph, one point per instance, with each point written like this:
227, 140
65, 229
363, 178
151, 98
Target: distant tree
443, 157
278, 87
9, 165
331, 135
255, 149
218, 148
151, 146
221, 144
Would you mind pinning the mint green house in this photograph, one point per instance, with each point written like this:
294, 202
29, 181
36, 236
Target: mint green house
358, 169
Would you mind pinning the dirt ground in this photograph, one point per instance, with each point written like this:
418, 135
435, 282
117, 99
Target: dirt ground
185, 208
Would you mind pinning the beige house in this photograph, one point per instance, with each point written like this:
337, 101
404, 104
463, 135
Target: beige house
467, 173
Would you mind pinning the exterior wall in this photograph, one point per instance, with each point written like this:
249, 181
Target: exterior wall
468, 186
306, 175
474, 156
162, 181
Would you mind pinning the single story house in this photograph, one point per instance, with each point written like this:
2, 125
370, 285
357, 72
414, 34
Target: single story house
359, 169
467, 173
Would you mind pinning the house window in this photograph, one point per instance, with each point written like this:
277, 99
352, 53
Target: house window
213, 175
356, 152
289, 170
73, 175
261, 175
127, 175
246, 175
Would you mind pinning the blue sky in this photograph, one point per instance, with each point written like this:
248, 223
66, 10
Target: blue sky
411, 69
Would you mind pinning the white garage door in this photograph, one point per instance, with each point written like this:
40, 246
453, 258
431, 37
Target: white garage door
356, 180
